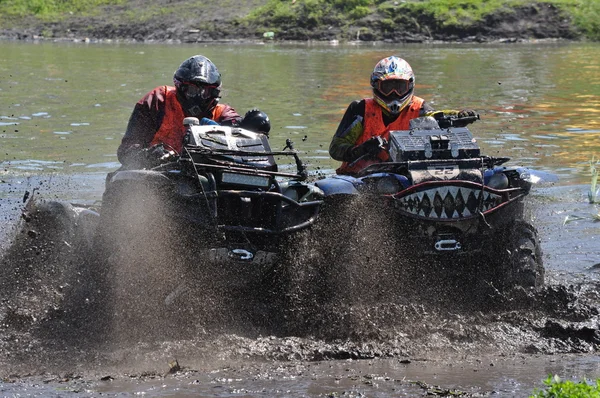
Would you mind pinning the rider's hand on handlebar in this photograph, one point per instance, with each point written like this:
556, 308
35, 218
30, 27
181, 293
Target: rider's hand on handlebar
158, 154
370, 147
157, 151
467, 113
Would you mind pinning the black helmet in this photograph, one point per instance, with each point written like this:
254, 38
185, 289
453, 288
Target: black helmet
257, 121
198, 84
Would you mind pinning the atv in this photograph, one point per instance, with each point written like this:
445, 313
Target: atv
447, 204
224, 191
196, 228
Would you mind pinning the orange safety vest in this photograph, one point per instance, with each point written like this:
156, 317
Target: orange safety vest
373, 126
172, 131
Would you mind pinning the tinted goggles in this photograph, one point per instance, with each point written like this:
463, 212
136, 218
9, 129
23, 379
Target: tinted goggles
203, 91
400, 86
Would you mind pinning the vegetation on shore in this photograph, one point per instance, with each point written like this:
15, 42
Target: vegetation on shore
390, 20
51, 9
451, 15
557, 388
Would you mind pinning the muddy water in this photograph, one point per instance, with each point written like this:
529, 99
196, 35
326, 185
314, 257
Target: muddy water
433, 343
442, 340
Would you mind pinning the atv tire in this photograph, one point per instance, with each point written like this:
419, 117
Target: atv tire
522, 264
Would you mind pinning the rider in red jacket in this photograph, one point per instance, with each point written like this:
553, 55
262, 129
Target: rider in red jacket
366, 125
156, 123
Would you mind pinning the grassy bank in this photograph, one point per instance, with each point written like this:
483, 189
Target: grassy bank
449, 15
52, 9
399, 21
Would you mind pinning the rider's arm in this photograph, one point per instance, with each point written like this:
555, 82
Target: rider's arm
144, 122
348, 132
426, 109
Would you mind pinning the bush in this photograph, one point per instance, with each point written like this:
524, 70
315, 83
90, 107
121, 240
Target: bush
557, 388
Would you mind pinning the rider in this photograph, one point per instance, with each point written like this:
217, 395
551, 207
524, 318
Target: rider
156, 124
365, 127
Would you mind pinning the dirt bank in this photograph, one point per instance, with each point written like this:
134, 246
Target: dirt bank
182, 21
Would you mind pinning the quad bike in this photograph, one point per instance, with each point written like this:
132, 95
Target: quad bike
216, 216
224, 193
446, 203
177, 237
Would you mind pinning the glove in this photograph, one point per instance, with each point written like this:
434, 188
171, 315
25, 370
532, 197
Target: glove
370, 147
467, 113
157, 154
208, 122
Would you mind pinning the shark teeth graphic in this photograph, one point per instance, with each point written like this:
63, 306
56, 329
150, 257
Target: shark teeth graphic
448, 202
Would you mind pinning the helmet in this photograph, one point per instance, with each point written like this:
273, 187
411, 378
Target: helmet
198, 84
393, 83
257, 121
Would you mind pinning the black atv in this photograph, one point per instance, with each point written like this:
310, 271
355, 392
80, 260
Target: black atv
446, 203
204, 225
225, 192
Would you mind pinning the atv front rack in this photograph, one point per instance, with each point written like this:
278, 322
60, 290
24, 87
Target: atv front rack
241, 161
393, 167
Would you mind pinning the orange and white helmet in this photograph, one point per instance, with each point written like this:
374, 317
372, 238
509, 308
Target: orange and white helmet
393, 83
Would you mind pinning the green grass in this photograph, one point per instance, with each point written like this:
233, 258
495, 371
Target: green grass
48, 9
585, 14
557, 388
460, 13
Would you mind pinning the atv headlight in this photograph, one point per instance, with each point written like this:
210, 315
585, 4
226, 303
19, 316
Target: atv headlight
387, 185
245, 179
498, 181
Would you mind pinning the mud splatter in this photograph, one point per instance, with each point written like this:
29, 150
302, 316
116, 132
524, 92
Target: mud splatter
52, 320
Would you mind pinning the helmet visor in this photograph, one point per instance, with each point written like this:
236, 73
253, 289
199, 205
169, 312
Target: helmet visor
202, 91
400, 86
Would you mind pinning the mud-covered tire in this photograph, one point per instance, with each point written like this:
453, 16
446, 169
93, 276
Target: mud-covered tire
522, 263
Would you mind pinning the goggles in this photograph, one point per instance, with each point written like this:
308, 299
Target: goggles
400, 86
192, 90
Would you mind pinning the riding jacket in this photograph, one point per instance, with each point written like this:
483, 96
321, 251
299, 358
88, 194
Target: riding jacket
363, 120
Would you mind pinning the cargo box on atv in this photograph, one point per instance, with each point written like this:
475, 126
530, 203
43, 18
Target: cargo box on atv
418, 144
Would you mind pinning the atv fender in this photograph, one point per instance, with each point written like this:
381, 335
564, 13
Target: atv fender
137, 175
341, 184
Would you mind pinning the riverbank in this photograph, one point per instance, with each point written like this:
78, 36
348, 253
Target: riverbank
299, 20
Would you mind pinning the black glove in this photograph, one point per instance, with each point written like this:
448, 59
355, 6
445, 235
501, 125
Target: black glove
370, 147
467, 113
158, 154
465, 117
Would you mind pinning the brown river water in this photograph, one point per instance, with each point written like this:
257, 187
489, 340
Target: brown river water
63, 110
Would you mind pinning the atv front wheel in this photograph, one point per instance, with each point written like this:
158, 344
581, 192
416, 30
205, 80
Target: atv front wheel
522, 263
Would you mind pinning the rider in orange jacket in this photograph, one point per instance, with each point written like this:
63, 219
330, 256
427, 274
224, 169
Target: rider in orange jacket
155, 127
365, 127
